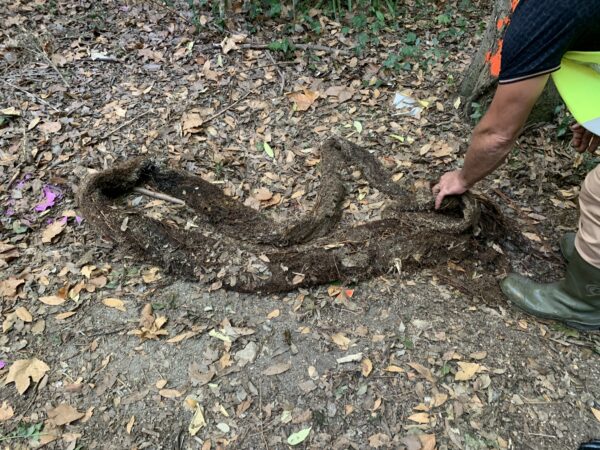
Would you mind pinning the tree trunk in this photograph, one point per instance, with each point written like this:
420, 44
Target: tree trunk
480, 78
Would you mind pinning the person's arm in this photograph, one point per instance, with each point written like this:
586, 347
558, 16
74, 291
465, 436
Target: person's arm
493, 137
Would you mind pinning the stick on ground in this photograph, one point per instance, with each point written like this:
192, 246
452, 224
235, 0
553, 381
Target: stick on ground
158, 195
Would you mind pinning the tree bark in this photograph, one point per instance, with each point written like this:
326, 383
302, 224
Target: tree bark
480, 78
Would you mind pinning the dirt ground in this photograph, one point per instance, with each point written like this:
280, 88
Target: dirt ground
100, 350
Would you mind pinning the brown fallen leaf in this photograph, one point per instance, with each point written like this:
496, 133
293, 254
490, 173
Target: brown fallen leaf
379, 440
50, 127
298, 278
423, 371
394, 369
52, 300
8, 288
115, 303
6, 411
243, 407
596, 413
443, 151
170, 393
8, 252
181, 337
439, 399
87, 271
33, 123
277, 369
303, 100
467, 371
230, 42
478, 355
51, 433
350, 358
151, 275
273, 314
341, 341
262, 194
151, 327
38, 327
146, 316
422, 418
11, 111
192, 122
129, 426
275, 200
532, 236
428, 441
53, 230
65, 315
342, 93
23, 314
23, 371
64, 414
366, 367
197, 422
9, 320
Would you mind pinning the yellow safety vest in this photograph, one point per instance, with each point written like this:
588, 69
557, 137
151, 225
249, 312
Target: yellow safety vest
578, 82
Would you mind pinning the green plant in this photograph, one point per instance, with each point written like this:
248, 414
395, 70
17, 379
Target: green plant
477, 111
315, 25
564, 121
218, 170
362, 40
31, 432
445, 370
444, 19
284, 46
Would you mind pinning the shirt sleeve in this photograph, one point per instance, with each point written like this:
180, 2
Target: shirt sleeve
539, 34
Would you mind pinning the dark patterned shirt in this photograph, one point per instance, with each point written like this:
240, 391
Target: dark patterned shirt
542, 31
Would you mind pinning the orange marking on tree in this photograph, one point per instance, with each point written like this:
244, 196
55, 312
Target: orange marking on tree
502, 22
495, 59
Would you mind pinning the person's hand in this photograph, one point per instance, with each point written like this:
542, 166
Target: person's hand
451, 183
584, 140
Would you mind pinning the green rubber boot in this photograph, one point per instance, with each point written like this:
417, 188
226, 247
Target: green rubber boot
574, 300
567, 245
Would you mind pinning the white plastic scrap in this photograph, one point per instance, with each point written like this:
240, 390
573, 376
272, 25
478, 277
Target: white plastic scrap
407, 105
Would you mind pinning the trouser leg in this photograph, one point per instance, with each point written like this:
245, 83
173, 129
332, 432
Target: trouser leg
587, 240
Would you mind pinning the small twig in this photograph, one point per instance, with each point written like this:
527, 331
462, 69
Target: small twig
438, 124
109, 332
224, 110
262, 430
10, 438
109, 59
47, 58
151, 432
281, 63
171, 10
543, 435
316, 47
35, 394
106, 136
281, 74
34, 97
159, 195
14, 177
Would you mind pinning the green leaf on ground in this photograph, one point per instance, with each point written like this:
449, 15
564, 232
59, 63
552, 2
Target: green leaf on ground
299, 437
